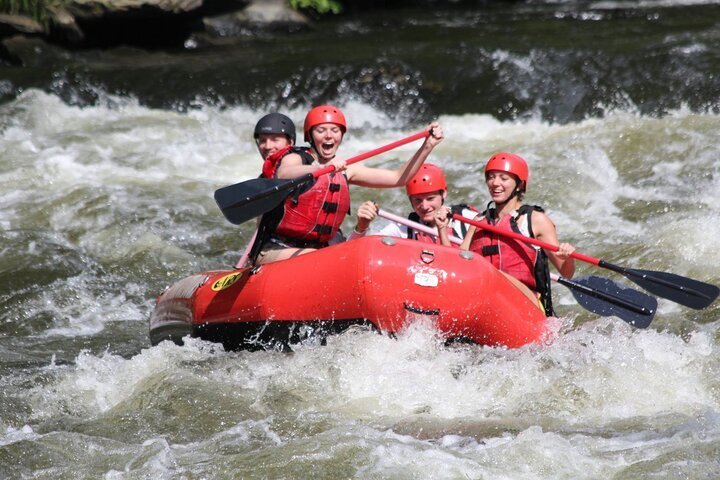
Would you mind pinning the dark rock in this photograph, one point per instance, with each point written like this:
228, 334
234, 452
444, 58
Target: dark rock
30, 51
146, 23
64, 26
262, 15
13, 24
154, 23
93, 9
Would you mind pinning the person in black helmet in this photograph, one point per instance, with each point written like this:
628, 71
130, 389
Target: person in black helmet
274, 132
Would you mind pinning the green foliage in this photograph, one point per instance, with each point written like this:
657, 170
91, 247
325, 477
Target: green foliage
31, 8
36, 9
320, 6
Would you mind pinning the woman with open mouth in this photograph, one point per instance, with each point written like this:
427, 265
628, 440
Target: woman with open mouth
311, 217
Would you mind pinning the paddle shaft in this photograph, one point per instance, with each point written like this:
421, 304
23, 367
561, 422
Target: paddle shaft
249, 199
523, 238
246, 254
372, 153
683, 290
415, 225
646, 311
291, 183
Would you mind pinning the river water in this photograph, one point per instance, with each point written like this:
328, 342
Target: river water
108, 162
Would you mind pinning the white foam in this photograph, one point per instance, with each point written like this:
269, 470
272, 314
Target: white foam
14, 435
96, 384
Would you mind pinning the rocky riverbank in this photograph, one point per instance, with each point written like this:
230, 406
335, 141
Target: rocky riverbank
148, 23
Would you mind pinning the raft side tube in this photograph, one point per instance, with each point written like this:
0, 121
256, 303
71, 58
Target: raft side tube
379, 281
460, 291
173, 314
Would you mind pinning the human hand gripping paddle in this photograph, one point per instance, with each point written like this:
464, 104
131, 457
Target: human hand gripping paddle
249, 199
599, 295
683, 290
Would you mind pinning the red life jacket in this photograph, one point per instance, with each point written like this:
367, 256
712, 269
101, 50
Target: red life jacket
516, 258
312, 216
316, 214
511, 256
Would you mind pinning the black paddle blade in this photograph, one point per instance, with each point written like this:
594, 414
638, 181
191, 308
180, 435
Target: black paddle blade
245, 200
604, 297
683, 290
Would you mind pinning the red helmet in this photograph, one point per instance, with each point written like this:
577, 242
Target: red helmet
510, 163
428, 179
324, 114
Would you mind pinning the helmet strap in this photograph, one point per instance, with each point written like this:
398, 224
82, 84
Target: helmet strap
499, 206
312, 145
516, 190
515, 193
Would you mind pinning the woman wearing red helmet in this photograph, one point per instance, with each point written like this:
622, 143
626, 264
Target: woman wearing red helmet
309, 219
427, 192
506, 177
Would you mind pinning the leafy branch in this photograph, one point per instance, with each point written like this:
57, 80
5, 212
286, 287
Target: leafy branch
320, 6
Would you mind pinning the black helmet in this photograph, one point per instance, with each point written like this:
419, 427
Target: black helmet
275, 123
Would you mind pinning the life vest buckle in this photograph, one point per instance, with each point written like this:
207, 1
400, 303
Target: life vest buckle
330, 207
323, 229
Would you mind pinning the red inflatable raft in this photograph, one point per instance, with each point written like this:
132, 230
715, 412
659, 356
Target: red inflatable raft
380, 281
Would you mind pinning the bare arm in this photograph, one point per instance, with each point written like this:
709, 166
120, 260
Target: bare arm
367, 212
292, 166
442, 222
383, 178
544, 230
465, 245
